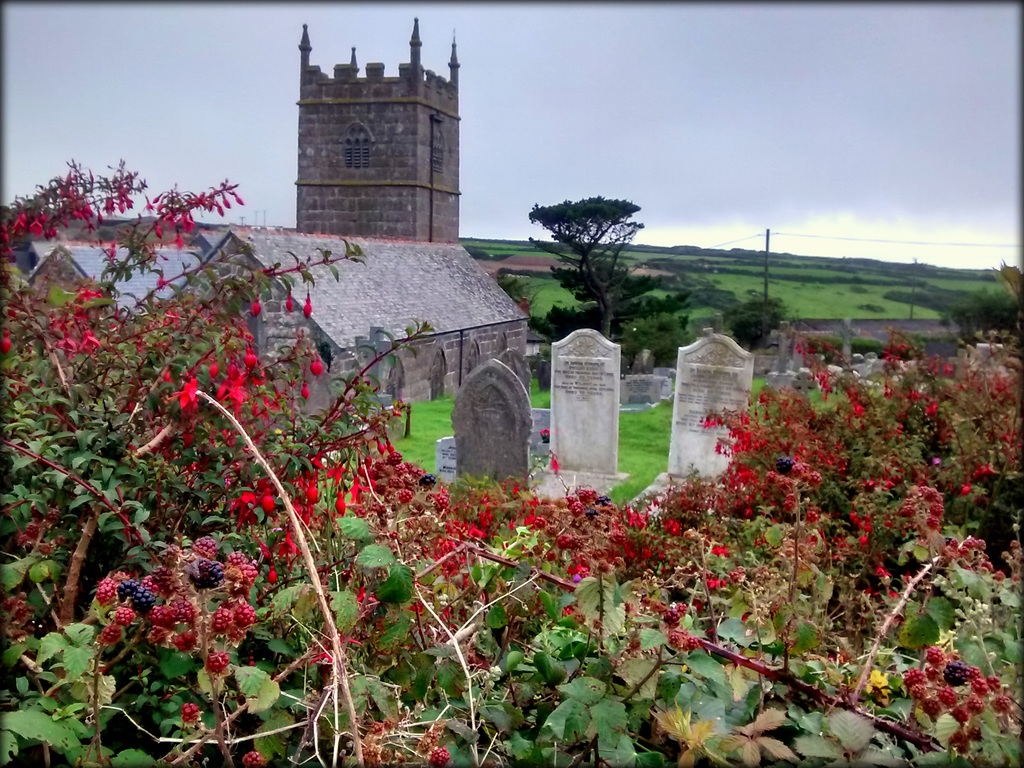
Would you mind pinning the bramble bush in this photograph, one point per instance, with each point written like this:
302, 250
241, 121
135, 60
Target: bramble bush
200, 570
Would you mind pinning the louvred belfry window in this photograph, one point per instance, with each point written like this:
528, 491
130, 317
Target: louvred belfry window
356, 146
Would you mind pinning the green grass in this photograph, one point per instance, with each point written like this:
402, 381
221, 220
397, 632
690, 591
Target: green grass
644, 437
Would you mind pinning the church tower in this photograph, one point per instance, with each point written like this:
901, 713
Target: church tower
379, 156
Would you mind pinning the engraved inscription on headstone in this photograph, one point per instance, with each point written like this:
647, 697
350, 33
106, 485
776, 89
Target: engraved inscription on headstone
713, 374
585, 403
492, 422
444, 459
646, 389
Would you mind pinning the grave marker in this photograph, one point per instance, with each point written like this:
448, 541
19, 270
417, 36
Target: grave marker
444, 459
492, 423
585, 403
713, 374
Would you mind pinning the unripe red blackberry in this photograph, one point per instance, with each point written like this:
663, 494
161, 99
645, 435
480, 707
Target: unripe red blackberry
960, 714
975, 704
974, 733
222, 619
394, 458
148, 582
253, 759
217, 662
158, 635
245, 615
185, 642
205, 547
163, 616
237, 558
912, 677
189, 713
163, 580
124, 616
918, 692
405, 496
956, 673
948, 697
111, 634
974, 673
979, 686
106, 591
933, 673
184, 611
935, 656
673, 614
439, 757
932, 707
994, 683
1002, 704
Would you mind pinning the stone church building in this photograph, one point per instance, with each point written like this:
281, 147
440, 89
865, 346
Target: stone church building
378, 166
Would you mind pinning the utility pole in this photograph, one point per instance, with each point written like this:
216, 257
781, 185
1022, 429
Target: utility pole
913, 286
764, 306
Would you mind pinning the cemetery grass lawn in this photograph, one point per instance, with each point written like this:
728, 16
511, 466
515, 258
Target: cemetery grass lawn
643, 437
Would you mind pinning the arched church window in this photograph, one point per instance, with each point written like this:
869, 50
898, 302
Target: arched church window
356, 146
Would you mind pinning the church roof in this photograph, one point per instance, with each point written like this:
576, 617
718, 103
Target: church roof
90, 259
396, 284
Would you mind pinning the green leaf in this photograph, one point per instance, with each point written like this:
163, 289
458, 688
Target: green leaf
635, 670
549, 606
618, 751
395, 634
277, 645
774, 535
945, 726
586, 690
12, 654
250, 679
568, 721
817, 746
706, 667
33, 724
80, 634
273, 746
652, 638
267, 695
51, 645
176, 664
607, 716
513, 660
496, 617
918, 631
552, 671
283, 601
852, 730
83, 691
506, 718
806, 638
398, 587
941, 610
132, 758
204, 682
375, 556
650, 760
47, 570
76, 661
354, 527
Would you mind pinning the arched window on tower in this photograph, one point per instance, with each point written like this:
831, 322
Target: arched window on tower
356, 146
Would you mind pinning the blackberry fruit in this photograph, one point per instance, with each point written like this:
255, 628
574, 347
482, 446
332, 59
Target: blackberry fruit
106, 591
956, 673
205, 547
205, 574
253, 759
111, 634
935, 656
222, 619
428, 481
184, 611
245, 615
163, 580
124, 616
189, 713
591, 513
673, 614
604, 501
912, 677
931, 707
405, 496
127, 588
217, 662
143, 600
784, 464
948, 697
185, 642
163, 616
439, 757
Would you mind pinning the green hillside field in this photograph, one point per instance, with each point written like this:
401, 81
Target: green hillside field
810, 287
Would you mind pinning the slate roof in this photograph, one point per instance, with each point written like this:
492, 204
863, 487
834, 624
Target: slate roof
90, 260
398, 283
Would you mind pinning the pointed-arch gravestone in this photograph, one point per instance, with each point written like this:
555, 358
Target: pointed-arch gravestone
712, 374
585, 403
492, 424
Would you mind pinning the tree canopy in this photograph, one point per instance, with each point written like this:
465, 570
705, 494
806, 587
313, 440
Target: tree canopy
589, 236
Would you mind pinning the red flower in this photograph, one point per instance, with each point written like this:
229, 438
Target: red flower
187, 397
308, 309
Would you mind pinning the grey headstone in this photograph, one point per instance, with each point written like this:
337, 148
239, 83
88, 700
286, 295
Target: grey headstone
585, 402
847, 336
543, 375
515, 360
669, 372
804, 383
444, 459
635, 390
492, 422
643, 363
714, 374
541, 420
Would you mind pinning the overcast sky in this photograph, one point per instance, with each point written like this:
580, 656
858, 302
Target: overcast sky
872, 121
